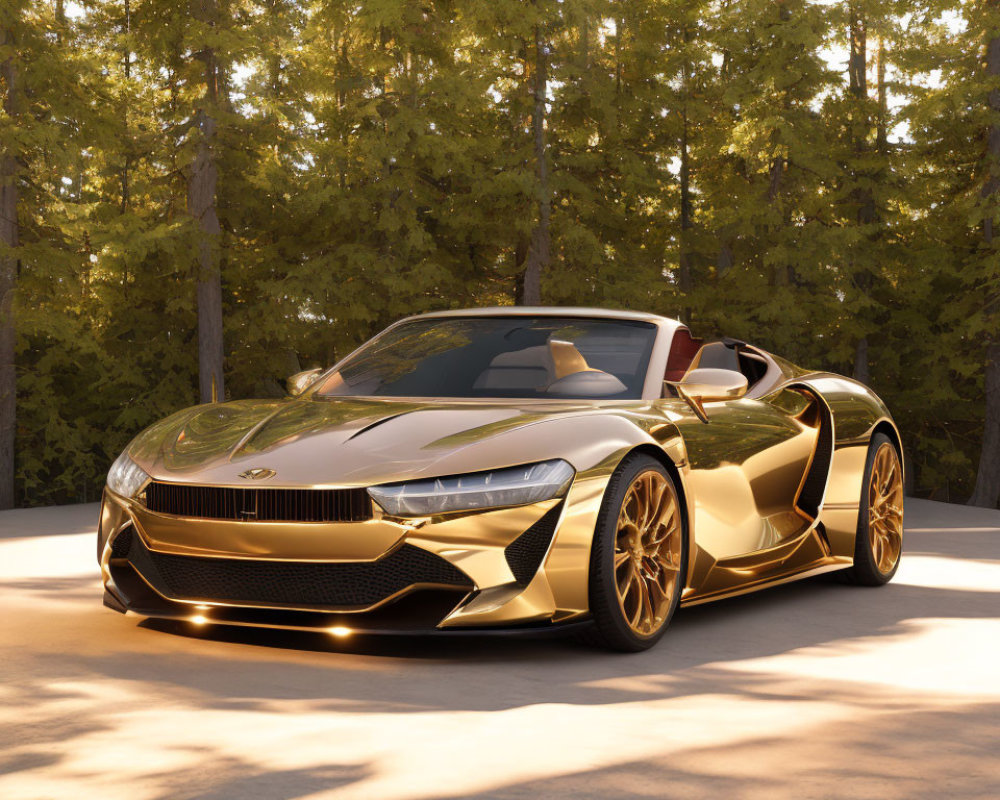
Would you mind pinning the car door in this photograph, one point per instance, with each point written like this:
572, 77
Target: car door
747, 469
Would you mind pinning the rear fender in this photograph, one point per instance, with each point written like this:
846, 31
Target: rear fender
857, 414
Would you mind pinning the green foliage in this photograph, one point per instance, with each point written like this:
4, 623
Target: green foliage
376, 159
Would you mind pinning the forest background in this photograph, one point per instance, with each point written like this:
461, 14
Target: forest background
224, 191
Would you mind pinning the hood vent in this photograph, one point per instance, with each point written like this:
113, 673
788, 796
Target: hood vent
259, 505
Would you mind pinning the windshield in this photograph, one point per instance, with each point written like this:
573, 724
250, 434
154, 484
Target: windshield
525, 357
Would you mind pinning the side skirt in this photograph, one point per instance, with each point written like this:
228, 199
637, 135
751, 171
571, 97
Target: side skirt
817, 568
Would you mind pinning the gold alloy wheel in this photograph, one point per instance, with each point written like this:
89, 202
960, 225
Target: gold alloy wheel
885, 508
648, 552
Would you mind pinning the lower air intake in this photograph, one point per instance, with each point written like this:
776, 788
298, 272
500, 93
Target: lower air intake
121, 544
524, 555
352, 585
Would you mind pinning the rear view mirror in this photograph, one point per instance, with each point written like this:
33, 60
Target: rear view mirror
300, 381
706, 385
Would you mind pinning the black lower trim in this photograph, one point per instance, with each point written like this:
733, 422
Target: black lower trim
417, 613
323, 586
413, 615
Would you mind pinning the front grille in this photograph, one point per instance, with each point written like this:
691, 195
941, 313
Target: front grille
287, 583
524, 555
264, 505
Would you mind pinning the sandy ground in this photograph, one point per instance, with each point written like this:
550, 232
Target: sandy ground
810, 690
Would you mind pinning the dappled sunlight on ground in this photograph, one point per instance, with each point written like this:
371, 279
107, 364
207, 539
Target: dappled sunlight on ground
956, 574
812, 689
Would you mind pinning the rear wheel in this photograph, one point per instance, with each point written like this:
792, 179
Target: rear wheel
879, 540
637, 558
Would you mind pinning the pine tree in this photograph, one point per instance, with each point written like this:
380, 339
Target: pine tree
256, 186
49, 111
201, 195
9, 235
987, 488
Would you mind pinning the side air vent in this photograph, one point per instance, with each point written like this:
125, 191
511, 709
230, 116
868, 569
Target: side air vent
815, 482
263, 505
524, 555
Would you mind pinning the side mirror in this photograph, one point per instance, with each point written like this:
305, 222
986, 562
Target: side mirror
706, 385
301, 381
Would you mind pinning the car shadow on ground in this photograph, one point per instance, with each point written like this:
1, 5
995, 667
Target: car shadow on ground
810, 614
814, 611
817, 612
79, 677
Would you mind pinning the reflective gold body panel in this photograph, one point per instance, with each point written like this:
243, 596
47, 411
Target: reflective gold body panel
744, 478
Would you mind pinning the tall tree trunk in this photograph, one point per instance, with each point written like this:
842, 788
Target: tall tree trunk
8, 282
274, 11
127, 70
861, 370
60, 20
857, 69
857, 63
866, 211
685, 277
882, 121
987, 491
201, 205
619, 34
538, 251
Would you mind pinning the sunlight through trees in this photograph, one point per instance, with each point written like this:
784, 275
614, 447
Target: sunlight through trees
219, 193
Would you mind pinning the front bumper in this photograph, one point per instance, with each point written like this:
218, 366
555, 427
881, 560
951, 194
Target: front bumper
522, 566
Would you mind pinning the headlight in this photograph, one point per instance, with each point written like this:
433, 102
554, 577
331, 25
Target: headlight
126, 477
513, 486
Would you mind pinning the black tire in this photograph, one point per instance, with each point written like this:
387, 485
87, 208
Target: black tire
865, 572
610, 629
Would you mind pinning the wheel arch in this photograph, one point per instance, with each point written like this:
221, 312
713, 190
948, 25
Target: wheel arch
672, 469
887, 427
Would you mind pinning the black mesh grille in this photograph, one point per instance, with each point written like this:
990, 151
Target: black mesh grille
300, 584
265, 505
122, 543
524, 555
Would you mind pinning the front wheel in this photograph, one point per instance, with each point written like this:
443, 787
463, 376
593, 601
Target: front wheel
879, 540
637, 558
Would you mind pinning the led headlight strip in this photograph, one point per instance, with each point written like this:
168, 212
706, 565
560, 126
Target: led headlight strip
512, 486
126, 477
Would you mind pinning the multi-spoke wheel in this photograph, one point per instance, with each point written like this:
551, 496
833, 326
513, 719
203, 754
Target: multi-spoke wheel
879, 541
637, 558
885, 508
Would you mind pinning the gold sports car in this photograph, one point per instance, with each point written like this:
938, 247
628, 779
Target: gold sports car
507, 468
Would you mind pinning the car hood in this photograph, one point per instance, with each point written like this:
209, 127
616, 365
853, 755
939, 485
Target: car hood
361, 441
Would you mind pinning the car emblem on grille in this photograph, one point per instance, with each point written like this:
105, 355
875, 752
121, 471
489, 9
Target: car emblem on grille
257, 474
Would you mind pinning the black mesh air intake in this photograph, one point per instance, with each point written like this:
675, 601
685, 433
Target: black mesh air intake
264, 505
287, 583
524, 555
122, 543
